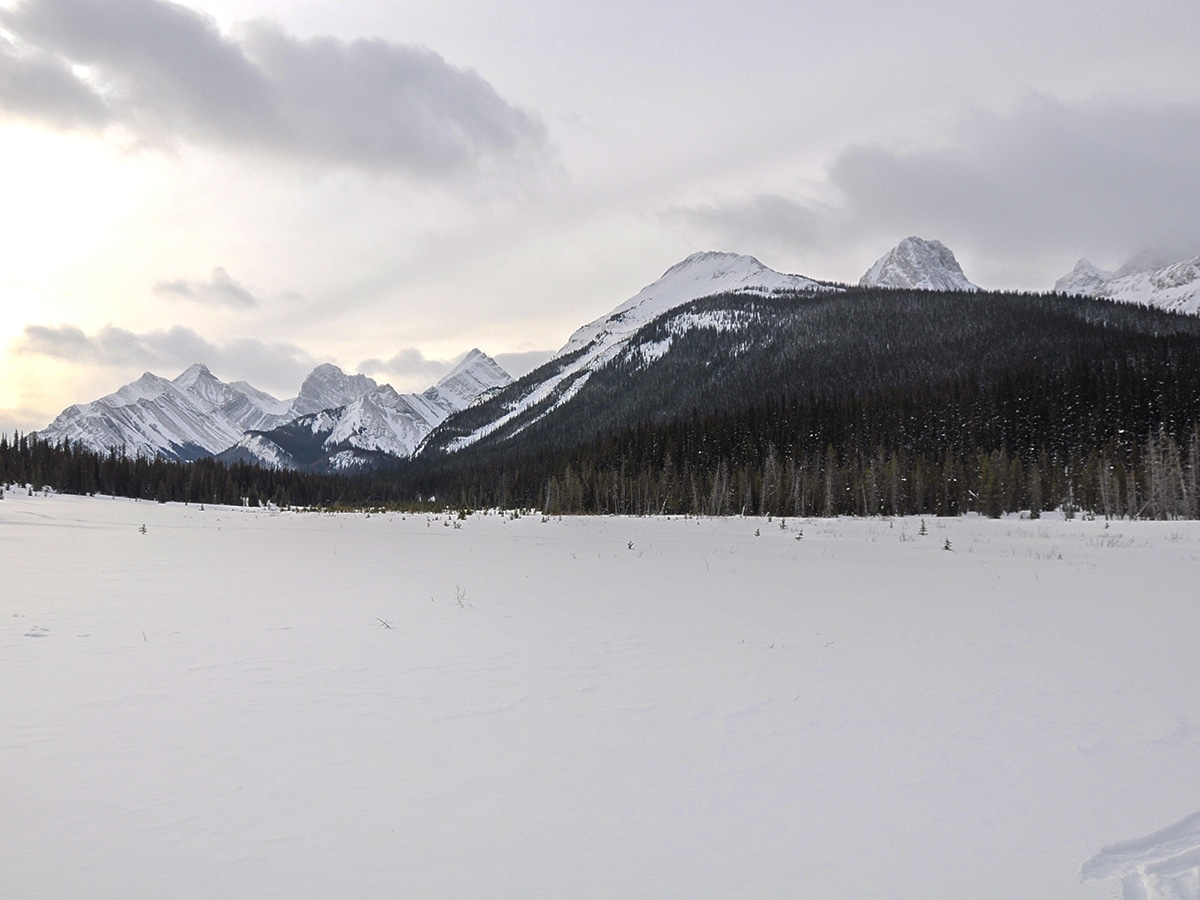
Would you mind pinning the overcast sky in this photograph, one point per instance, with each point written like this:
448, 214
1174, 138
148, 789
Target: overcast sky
264, 185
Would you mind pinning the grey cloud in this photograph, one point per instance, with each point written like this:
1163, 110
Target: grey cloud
270, 366
375, 102
164, 71
219, 290
408, 363
1021, 192
757, 223
1111, 178
63, 342
40, 85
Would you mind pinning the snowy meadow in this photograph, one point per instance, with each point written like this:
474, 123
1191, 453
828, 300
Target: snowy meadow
203, 702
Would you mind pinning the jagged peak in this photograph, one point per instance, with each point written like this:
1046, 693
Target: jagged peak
327, 386
326, 369
193, 371
1085, 278
475, 359
918, 264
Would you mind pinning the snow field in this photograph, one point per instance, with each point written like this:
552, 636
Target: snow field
215, 708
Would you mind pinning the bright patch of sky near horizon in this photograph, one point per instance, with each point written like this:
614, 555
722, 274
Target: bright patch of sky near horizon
592, 148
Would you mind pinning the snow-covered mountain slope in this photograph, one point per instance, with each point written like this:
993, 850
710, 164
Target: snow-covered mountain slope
471, 379
395, 424
197, 414
381, 421
1085, 279
263, 400
328, 387
918, 264
600, 341
194, 415
1149, 280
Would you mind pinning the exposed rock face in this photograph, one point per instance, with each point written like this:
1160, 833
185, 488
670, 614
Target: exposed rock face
918, 264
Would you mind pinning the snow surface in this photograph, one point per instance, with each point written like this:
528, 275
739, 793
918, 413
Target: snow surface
216, 708
1162, 866
918, 264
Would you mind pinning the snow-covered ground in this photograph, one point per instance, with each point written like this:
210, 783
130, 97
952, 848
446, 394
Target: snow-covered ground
214, 707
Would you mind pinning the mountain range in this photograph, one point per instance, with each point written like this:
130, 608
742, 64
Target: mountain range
347, 418
379, 422
339, 421
1147, 279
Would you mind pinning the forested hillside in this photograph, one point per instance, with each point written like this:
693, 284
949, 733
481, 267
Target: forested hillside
866, 403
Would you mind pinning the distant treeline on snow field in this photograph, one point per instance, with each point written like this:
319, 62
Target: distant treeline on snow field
1117, 437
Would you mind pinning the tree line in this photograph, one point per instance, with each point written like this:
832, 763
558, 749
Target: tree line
1115, 437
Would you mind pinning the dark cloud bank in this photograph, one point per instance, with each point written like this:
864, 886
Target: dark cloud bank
163, 71
1103, 179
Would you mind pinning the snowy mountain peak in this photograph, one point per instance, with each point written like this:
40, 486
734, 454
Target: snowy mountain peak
918, 264
475, 375
148, 387
1085, 278
328, 387
594, 345
153, 416
380, 420
714, 263
1145, 279
700, 275
191, 375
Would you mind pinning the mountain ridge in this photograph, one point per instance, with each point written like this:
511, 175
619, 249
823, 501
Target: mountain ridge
196, 414
379, 422
345, 420
1149, 279
593, 345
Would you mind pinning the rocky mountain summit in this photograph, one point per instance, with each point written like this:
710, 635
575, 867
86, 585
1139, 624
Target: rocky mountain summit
918, 264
